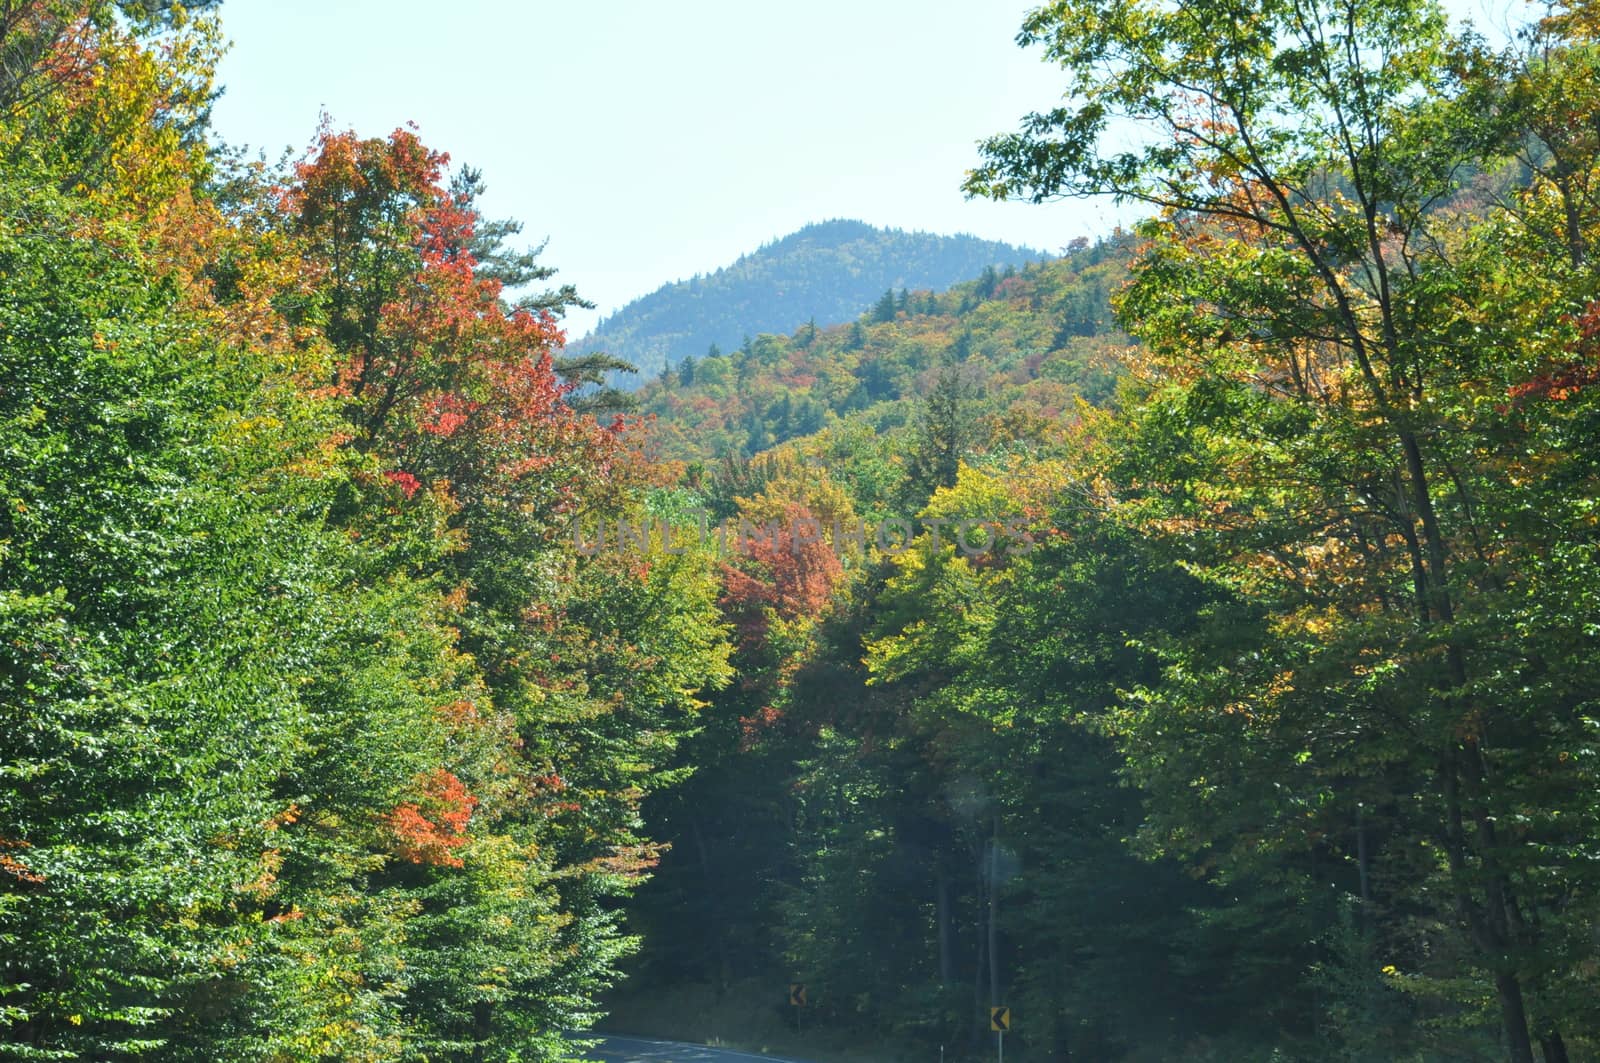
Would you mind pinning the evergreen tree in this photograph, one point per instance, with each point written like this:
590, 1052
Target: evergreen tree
512, 270
589, 377
945, 428
884, 310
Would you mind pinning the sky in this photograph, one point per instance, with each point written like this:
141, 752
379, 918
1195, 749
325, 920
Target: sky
650, 141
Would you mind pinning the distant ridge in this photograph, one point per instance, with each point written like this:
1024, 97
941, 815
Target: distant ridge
1030, 344
827, 272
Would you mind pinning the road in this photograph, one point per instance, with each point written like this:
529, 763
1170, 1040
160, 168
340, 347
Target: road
639, 1050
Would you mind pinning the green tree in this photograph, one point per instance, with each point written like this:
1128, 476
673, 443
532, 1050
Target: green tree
1303, 305
884, 310
945, 425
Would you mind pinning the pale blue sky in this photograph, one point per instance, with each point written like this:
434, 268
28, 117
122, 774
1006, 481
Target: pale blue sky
652, 140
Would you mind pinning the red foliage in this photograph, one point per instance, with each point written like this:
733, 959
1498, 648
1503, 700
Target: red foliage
436, 369
1562, 382
351, 180
751, 728
443, 415
73, 57
428, 832
788, 568
1012, 288
404, 480
545, 787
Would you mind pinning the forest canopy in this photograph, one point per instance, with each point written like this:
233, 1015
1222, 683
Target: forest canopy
320, 738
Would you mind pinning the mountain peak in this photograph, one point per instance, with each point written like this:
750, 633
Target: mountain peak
828, 271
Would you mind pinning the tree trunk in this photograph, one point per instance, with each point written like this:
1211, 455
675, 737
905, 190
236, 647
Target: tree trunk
1514, 1017
941, 908
1466, 767
1363, 863
718, 932
1553, 1048
994, 916
978, 1028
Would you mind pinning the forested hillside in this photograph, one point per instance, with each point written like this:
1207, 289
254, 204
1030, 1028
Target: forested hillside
1274, 733
317, 742
1016, 349
1187, 644
827, 272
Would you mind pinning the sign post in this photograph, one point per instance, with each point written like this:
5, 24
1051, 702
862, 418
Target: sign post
797, 1000
1000, 1022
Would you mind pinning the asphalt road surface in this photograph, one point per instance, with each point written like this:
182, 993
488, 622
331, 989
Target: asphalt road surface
639, 1050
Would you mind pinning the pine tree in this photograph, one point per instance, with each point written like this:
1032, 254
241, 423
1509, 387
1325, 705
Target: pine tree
884, 309
944, 427
592, 394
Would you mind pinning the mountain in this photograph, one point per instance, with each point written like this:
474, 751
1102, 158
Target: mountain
1029, 343
827, 272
